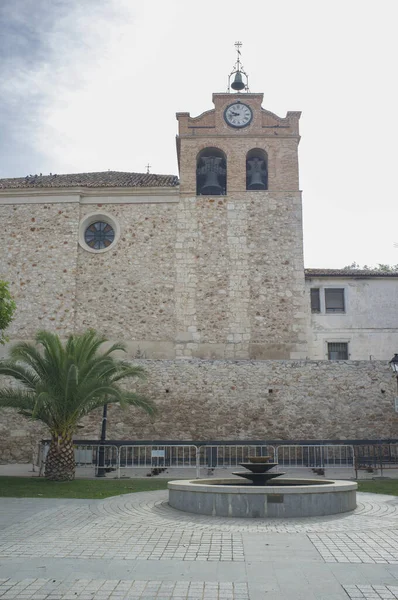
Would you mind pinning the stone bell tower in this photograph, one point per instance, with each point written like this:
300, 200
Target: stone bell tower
239, 255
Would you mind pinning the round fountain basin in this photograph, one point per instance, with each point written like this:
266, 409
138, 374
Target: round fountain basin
286, 498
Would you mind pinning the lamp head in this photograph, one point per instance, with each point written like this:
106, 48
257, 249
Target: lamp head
394, 363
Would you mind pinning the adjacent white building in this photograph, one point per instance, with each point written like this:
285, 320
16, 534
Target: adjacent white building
353, 314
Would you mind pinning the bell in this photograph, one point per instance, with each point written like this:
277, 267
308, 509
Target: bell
211, 170
256, 175
256, 182
237, 83
211, 187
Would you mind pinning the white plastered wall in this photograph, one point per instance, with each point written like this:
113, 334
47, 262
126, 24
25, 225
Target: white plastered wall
369, 323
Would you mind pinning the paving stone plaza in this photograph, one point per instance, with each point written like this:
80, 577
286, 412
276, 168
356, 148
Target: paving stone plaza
135, 546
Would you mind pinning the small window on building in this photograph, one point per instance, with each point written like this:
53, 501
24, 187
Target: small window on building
334, 300
338, 351
315, 300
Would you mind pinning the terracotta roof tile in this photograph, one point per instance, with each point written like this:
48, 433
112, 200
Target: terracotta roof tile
348, 273
102, 179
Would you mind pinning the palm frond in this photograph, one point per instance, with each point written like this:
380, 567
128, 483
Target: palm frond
86, 346
16, 398
54, 352
115, 347
62, 383
131, 399
105, 393
22, 373
96, 397
25, 413
72, 381
27, 353
127, 370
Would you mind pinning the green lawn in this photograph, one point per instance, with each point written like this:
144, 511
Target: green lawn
379, 486
38, 487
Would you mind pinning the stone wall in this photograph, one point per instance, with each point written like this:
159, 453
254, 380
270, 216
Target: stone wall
205, 277
240, 277
38, 254
128, 292
226, 400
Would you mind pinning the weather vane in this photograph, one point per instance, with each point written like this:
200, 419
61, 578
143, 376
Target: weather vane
238, 46
238, 84
147, 168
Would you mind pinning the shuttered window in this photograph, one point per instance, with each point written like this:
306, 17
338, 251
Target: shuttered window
315, 300
334, 300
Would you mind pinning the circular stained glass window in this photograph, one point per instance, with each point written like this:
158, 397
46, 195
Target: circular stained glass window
99, 235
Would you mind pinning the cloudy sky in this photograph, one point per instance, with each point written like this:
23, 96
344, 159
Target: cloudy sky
91, 85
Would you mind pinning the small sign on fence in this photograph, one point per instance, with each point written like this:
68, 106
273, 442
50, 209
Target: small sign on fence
157, 454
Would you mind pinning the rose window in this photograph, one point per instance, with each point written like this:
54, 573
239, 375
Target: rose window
99, 235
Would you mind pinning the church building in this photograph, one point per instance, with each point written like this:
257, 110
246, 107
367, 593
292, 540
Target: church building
202, 276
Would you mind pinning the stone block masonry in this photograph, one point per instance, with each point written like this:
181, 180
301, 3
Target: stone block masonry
207, 277
240, 277
38, 256
128, 293
225, 400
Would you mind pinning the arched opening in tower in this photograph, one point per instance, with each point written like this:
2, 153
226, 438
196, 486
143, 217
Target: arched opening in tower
256, 169
211, 172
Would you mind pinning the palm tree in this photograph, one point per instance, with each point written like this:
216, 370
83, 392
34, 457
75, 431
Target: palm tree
59, 384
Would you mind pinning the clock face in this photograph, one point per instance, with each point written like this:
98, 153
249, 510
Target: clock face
238, 115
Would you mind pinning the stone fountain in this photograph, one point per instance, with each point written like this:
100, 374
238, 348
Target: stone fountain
257, 470
260, 496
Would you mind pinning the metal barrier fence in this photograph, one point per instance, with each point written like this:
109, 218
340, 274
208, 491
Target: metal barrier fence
376, 456
118, 456
159, 457
91, 456
162, 456
317, 456
231, 456
87, 456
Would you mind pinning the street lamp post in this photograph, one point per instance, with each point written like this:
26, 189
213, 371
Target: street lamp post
101, 471
394, 367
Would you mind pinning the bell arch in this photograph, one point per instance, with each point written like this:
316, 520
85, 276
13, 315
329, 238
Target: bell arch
211, 172
256, 169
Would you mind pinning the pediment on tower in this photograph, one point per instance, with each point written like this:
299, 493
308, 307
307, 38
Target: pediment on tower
204, 121
289, 124
215, 121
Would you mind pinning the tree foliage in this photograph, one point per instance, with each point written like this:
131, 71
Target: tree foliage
7, 309
59, 384
380, 267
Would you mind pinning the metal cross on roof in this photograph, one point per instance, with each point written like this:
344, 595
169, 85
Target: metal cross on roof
147, 168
